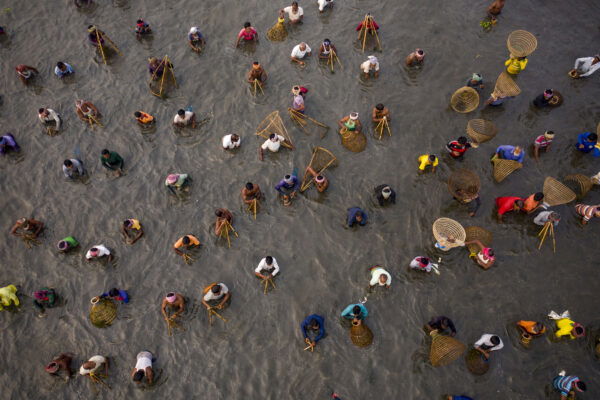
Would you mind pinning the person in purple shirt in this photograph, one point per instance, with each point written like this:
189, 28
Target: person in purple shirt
356, 215
508, 152
288, 186
116, 294
8, 142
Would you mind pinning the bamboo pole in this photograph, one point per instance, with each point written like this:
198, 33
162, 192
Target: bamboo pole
112, 43
98, 39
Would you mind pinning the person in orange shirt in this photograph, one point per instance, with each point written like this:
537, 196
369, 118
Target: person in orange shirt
187, 242
143, 118
533, 202
532, 328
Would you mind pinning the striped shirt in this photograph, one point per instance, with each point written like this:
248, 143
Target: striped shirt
564, 384
587, 212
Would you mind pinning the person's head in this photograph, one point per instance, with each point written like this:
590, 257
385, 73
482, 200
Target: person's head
420, 54
114, 292
42, 111
380, 107
327, 42
181, 112
63, 245
495, 340
273, 137
186, 240
235, 137
580, 386
539, 196
89, 365
373, 60
319, 179
386, 192
578, 330
138, 376
432, 157
353, 116
517, 150
247, 26
490, 252
518, 204
383, 278
216, 289
249, 186
539, 328
68, 164
476, 78
314, 325
548, 93
61, 65
52, 367
127, 223
462, 140
288, 179
359, 216
171, 297
549, 135
172, 179
94, 252
296, 90
302, 46
356, 310
554, 216
105, 153
294, 5
269, 260
592, 137
91, 28
424, 261
140, 22
219, 213
137, 114
194, 30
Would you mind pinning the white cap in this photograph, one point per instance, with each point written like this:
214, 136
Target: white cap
194, 30
373, 59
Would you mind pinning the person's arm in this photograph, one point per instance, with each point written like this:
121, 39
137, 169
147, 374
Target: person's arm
303, 327
39, 225
474, 206
321, 331
239, 38
67, 172
347, 312
477, 242
521, 157
393, 197
176, 250
365, 218
193, 120
279, 186
106, 365
249, 77
150, 375
350, 218
205, 303
139, 235
592, 69
451, 326
123, 233
358, 125
536, 152
225, 298
275, 268
341, 122
57, 119
80, 169
133, 371
297, 60
258, 270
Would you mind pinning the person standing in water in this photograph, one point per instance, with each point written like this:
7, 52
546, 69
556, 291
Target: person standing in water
131, 230
416, 58
257, 73
112, 161
356, 215
224, 219
248, 34
172, 301
485, 257
73, 168
542, 142
267, 268
325, 49
370, 67
379, 276
62, 362
385, 195
27, 227
250, 193
143, 368
321, 182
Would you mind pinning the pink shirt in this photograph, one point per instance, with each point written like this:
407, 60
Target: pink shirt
541, 141
247, 35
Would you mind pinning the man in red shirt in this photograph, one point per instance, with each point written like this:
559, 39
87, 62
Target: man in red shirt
458, 147
248, 33
507, 204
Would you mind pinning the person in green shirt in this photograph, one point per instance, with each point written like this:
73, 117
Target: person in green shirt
67, 244
113, 161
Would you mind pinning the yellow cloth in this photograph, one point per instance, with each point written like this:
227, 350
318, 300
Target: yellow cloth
424, 162
135, 224
514, 66
193, 241
565, 327
8, 294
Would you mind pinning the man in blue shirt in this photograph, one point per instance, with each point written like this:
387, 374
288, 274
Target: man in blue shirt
508, 152
355, 311
117, 294
63, 69
586, 142
288, 186
311, 324
567, 384
356, 216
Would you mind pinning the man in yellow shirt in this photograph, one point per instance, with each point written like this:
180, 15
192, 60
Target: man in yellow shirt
187, 242
131, 230
428, 159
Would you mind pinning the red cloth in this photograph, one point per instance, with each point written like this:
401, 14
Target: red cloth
370, 26
505, 204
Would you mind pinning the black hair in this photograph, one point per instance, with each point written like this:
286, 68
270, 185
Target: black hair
271, 136
519, 203
432, 157
581, 386
549, 91
185, 240
249, 185
491, 252
60, 64
327, 40
90, 26
550, 132
137, 114
41, 110
593, 136
425, 260
462, 140
139, 375
269, 260
181, 112
113, 292
256, 63
495, 340
356, 310
420, 52
216, 288
380, 106
67, 163
218, 213
247, 24
294, 3
538, 196
140, 21
105, 152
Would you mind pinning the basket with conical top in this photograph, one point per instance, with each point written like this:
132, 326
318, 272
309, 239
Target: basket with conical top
444, 349
103, 312
521, 43
464, 100
360, 334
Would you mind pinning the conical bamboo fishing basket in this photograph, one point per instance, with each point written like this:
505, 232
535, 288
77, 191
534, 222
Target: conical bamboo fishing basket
481, 130
103, 312
556, 193
464, 100
321, 160
584, 183
446, 228
464, 184
476, 363
277, 32
506, 86
477, 233
503, 168
521, 43
444, 349
354, 141
274, 124
360, 334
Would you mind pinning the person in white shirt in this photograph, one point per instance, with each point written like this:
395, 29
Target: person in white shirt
73, 168
324, 3
380, 276
422, 264
184, 118
371, 65
585, 66
273, 143
217, 291
268, 264
93, 364
47, 116
488, 343
98, 252
295, 13
143, 367
546, 216
299, 52
231, 141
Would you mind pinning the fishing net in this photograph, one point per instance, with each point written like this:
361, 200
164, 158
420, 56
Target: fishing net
506, 86
277, 32
521, 43
556, 193
103, 312
584, 183
503, 168
274, 124
444, 349
556, 100
354, 141
321, 160
445, 229
477, 233
303, 120
464, 185
481, 130
476, 363
464, 100
360, 334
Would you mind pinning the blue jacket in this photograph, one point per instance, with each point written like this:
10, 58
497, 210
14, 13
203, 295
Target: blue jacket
352, 212
588, 145
123, 296
291, 187
508, 153
348, 314
307, 322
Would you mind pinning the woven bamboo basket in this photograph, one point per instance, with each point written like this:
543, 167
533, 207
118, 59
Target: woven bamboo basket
481, 130
476, 363
464, 100
446, 228
478, 233
360, 334
354, 141
506, 86
503, 168
320, 160
521, 43
557, 99
556, 193
464, 185
584, 183
274, 124
444, 349
277, 32
103, 312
